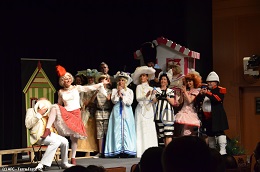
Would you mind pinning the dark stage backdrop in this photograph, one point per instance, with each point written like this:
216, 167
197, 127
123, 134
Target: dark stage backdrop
82, 34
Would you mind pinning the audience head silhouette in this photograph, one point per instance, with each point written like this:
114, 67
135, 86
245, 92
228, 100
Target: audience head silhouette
230, 161
151, 160
76, 168
186, 154
257, 151
90, 168
94, 168
217, 161
257, 157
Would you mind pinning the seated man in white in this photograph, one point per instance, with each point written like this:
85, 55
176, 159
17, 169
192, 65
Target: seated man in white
36, 120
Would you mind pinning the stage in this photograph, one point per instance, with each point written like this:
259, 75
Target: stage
105, 162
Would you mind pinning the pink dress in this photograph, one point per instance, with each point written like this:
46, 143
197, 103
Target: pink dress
188, 115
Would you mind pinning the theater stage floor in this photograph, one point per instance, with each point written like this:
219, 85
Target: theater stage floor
105, 162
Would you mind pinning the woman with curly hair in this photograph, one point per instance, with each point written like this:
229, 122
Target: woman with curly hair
186, 120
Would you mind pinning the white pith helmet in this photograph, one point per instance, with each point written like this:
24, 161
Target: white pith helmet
213, 76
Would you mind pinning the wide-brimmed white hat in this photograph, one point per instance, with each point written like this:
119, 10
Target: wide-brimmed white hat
142, 70
43, 104
125, 75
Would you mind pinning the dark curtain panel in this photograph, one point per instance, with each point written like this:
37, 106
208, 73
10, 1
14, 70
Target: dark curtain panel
78, 32
11, 100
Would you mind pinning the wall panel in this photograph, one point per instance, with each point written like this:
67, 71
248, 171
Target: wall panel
236, 34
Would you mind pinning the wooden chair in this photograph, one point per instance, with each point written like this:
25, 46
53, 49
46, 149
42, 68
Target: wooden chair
39, 150
133, 167
116, 169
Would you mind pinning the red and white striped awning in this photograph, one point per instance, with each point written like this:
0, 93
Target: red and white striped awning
172, 45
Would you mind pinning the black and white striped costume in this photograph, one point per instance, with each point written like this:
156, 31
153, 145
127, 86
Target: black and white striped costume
164, 113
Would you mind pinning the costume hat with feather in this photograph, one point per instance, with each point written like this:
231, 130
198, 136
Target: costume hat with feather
61, 71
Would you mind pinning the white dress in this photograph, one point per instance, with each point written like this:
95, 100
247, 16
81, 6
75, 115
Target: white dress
144, 119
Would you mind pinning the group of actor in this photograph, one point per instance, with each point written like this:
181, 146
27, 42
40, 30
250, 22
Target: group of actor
169, 105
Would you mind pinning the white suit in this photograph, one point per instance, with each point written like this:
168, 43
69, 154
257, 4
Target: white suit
36, 123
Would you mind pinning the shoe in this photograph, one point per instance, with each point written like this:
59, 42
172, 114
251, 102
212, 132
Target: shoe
73, 161
97, 156
66, 165
39, 168
46, 133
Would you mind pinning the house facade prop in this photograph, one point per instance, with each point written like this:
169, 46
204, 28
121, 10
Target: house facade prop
169, 51
38, 86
